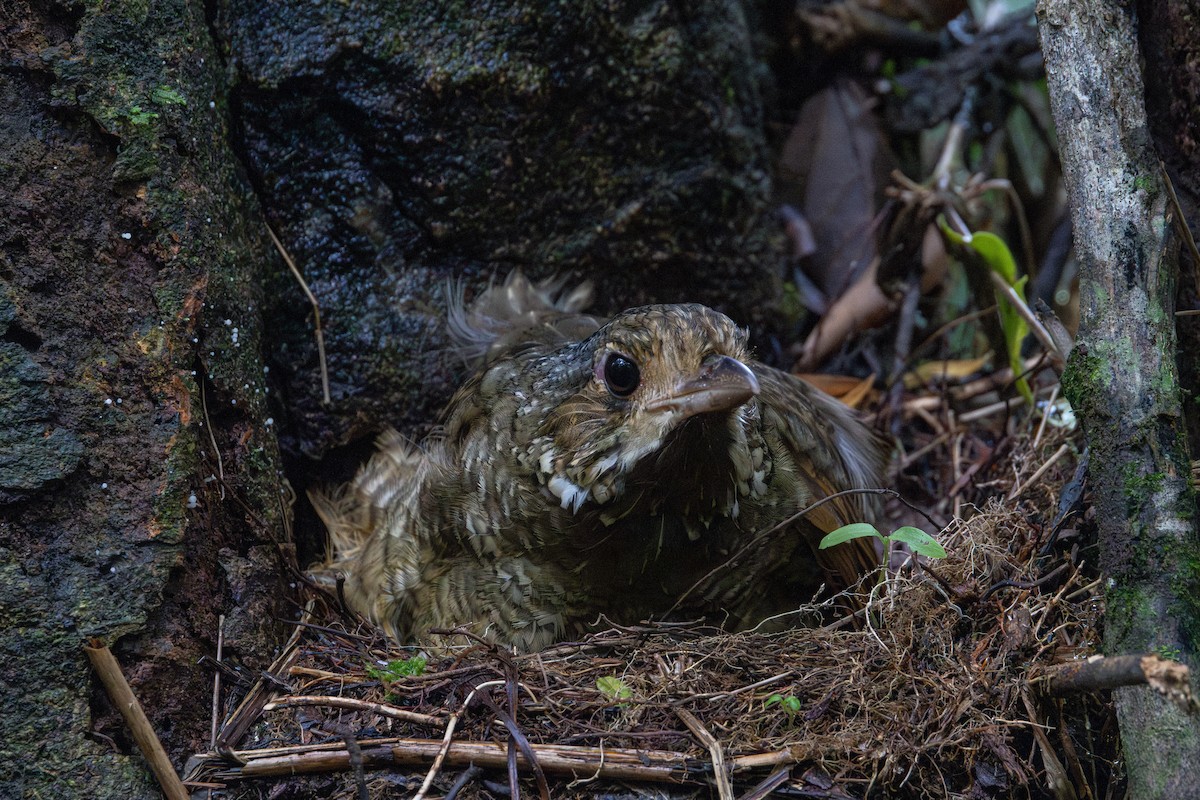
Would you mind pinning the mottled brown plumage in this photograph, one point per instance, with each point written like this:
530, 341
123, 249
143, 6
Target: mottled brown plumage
631, 468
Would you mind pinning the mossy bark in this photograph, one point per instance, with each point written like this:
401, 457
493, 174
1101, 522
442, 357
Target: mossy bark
128, 239
1122, 377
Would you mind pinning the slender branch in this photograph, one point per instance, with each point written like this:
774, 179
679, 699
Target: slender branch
720, 771
1168, 678
316, 308
354, 704
109, 672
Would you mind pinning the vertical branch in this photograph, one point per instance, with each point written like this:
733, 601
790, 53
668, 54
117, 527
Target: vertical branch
1122, 377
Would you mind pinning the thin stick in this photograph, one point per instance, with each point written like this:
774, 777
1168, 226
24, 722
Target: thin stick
216, 701
578, 762
1059, 453
983, 412
316, 312
954, 323
1035, 325
912, 457
1022, 220
249, 710
1104, 673
769, 784
444, 749
997, 380
615, 763
213, 439
440, 758
469, 774
109, 672
1056, 773
1180, 219
720, 771
355, 704
1047, 410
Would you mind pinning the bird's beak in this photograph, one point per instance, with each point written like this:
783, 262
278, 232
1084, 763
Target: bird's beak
722, 384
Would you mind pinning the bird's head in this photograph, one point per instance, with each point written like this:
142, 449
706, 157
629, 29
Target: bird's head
657, 387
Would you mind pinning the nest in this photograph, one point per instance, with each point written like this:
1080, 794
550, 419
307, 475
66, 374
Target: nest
944, 683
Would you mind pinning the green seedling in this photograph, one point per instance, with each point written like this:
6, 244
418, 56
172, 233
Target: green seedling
614, 688
993, 252
918, 540
789, 703
397, 670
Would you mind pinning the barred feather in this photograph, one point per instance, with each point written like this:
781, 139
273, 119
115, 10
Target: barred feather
517, 312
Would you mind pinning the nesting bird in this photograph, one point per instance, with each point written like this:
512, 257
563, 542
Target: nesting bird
633, 468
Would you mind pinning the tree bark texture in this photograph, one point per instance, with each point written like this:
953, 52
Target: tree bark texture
1122, 376
130, 339
1169, 31
158, 370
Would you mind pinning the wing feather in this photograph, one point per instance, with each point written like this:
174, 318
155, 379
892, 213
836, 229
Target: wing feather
832, 450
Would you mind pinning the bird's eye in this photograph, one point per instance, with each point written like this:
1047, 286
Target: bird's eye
621, 375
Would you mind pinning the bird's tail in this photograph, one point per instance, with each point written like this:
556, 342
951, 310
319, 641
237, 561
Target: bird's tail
375, 541
516, 312
355, 512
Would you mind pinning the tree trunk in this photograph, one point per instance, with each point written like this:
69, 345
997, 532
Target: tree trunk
1122, 377
130, 340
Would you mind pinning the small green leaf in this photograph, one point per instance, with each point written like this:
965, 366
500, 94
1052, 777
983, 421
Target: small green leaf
165, 95
996, 253
920, 541
790, 704
395, 670
614, 688
999, 259
855, 530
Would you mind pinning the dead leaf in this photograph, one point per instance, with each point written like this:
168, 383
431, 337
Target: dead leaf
864, 305
851, 391
832, 169
944, 370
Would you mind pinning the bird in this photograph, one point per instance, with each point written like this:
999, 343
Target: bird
638, 468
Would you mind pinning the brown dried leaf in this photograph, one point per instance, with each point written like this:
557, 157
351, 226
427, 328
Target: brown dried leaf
832, 168
864, 305
944, 370
851, 391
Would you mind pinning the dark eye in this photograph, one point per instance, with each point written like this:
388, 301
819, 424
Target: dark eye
621, 374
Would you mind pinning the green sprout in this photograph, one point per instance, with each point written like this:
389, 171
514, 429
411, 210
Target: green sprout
789, 703
918, 540
992, 250
397, 670
614, 688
